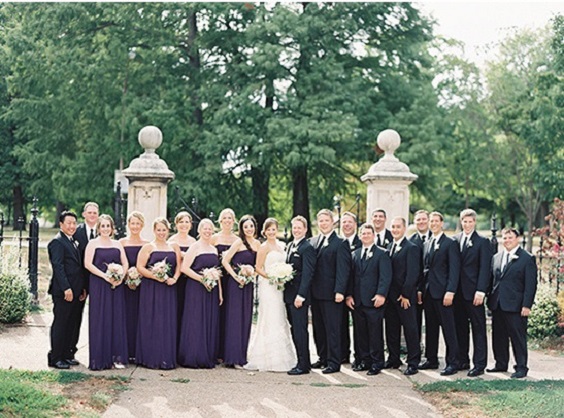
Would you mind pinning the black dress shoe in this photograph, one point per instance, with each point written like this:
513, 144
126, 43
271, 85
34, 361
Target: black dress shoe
373, 371
61, 364
330, 370
496, 370
361, 367
71, 362
464, 366
519, 374
411, 370
448, 371
390, 365
318, 365
475, 372
345, 360
296, 371
427, 365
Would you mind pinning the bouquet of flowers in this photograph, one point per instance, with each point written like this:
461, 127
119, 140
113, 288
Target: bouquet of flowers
210, 277
115, 273
246, 274
133, 278
161, 270
279, 274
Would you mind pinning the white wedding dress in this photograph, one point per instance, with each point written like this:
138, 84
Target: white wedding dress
271, 347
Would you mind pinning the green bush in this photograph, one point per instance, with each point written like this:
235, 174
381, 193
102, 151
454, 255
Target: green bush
543, 321
15, 299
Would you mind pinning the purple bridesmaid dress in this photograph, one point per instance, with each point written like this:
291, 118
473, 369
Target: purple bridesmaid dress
107, 330
131, 303
238, 312
156, 332
199, 337
181, 296
221, 248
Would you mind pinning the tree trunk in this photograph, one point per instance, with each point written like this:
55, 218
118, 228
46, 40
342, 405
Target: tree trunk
18, 205
60, 207
194, 56
261, 180
300, 204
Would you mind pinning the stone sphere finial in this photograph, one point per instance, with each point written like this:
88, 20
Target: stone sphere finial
389, 141
150, 138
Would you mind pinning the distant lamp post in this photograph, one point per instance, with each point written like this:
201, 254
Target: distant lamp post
337, 205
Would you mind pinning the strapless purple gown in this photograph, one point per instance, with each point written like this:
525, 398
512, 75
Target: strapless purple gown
221, 248
238, 312
131, 302
107, 338
199, 337
181, 296
156, 332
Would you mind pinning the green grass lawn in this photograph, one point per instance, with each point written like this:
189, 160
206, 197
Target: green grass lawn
499, 398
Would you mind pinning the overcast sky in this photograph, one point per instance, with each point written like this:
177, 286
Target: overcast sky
478, 24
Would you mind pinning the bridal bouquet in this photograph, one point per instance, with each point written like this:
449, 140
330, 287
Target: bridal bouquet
210, 277
246, 274
161, 270
133, 278
115, 273
279, 274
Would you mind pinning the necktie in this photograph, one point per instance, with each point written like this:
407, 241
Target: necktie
505, 261
464, 243
92, 236
378, 242
364, 254
423, 238
393, 250
322, 243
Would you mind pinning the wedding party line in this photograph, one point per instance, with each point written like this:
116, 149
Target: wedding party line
180, 301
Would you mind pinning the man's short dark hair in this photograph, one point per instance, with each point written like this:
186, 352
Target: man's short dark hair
511, 229
66, 213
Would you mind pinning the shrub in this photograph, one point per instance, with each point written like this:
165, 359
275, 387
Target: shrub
15, 299
544, 318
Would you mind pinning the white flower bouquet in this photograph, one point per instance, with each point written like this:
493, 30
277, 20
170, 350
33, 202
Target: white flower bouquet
115, 273
133, 278
279, 274
210, 277
161, 270
246, 274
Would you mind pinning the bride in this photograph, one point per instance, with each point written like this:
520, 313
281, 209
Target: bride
271, 347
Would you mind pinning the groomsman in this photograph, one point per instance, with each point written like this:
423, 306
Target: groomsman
475, 279
419, 238
402, 299
442, 273
348, 227
383, 236
514, 273
84, 233
328, 292
301, 255
366, 296
67, 288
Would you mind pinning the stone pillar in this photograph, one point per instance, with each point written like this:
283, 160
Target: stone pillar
387, 180
148, 178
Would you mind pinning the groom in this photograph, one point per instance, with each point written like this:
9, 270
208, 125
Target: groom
301, 255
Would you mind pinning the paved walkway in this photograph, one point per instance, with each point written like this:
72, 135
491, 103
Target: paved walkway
226, 392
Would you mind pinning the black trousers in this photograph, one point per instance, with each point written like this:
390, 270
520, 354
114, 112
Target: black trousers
346, 335
396, 317
438, 316
508, 326
300, 335
327, 322
67, 317
467, 315
369, 322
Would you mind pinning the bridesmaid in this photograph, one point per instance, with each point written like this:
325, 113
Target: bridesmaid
238, 302
183, 222
199, 337
132, 244
223, 240
106, 334
156, 333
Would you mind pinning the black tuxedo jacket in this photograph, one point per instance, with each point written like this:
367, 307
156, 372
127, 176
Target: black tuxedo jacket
416, 239
66, 262
82, 238
515, 286
370, 277
302, 258
406, 268
388, 238
442, 267
356, 243
475, 265
332, 268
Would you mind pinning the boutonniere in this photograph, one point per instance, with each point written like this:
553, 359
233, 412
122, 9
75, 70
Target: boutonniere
369, 255
386, 242
398, 248
513, 257
436, 245
325, 243
353, 247
294, 249
469, 244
